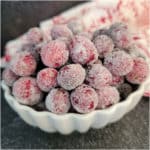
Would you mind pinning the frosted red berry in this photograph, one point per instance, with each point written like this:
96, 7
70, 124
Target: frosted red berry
54, 54
84, 99
9, 77
83, 51
34, 35
23, 64
60, 31
107, 96
57, 101
98, 32
33, 49
120, 35
71, 76
140, 71
119, 63
104, 45
98, 76
26, 91
47, 79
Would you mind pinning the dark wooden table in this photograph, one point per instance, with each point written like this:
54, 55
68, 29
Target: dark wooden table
130, 132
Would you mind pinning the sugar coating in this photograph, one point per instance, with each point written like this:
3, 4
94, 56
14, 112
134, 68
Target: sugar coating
98, 76
61, 31
107, 96
118, 63
84, 99
125, 89
117, 80
75, 26
104, 45
26, 91
31, 48
120, 35
140, 71
98, 32
34, 35
71, 76
57, 101
54, 54
83, 51
47, 79
23, 63
9, 77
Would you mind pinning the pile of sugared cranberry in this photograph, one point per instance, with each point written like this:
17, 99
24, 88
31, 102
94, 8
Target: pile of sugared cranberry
75, 70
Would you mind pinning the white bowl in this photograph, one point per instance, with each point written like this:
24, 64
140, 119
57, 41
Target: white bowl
70, 122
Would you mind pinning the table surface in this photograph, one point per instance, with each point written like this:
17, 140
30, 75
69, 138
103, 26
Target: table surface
130, 132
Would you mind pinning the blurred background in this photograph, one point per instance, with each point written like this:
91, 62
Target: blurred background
130, 132
19, 16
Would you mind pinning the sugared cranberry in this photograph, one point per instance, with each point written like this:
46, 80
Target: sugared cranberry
98, 32
107, 96
34, 35
23, 64
83, 51
47, 79
9, 77
71, 76
140, 71
26, 91
104, 45
98, 76
57, 101
120, 35
84, 99
54, 54
58, 31
119, 63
